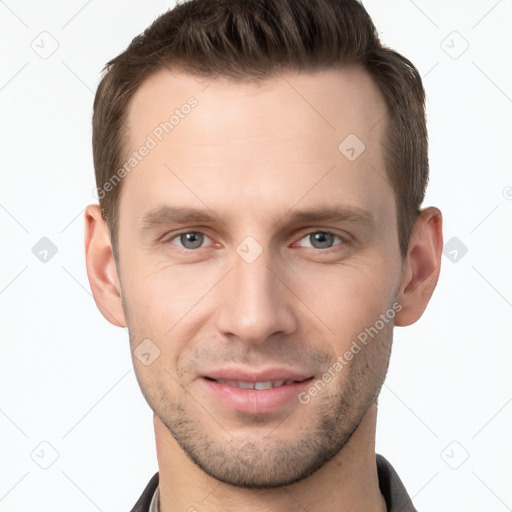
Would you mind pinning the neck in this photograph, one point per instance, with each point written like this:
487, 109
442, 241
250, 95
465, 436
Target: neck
348, 481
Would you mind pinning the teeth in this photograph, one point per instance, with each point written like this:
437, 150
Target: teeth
263, 385
244, 385
255, 385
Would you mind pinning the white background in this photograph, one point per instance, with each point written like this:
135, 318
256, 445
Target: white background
66, 376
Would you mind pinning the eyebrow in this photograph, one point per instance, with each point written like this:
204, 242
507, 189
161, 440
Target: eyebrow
166, 215
169, 215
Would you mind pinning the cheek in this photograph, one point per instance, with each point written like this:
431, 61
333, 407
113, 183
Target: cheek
348, 298
162, 297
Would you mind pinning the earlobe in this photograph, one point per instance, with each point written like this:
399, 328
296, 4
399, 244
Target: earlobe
101, 267
421, 266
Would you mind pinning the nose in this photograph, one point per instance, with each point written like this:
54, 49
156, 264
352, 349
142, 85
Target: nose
256, 302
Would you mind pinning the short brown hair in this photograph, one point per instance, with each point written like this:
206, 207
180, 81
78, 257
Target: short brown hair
248, 40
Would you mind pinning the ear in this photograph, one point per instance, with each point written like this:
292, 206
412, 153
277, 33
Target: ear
101, 267
421, 266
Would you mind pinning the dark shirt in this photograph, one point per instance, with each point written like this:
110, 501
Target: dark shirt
397, 499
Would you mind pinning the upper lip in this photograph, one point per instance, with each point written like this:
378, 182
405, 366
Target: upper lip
257, 375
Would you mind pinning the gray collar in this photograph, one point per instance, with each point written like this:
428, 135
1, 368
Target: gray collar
154, 506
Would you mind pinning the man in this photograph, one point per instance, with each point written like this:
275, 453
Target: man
260, 167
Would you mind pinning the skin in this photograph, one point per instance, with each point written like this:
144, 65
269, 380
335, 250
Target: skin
253, 155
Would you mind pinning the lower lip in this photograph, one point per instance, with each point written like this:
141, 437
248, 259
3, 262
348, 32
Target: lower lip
254, 401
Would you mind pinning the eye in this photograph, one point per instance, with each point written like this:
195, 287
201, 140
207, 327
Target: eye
189, 240
320, 240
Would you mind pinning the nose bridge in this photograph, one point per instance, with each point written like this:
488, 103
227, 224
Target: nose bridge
254, 304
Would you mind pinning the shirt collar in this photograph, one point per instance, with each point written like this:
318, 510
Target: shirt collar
154, 506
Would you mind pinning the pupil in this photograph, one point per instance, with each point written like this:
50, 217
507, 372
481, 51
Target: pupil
321, 240
191, 240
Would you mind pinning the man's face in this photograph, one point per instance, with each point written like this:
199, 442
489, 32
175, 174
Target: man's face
263, 290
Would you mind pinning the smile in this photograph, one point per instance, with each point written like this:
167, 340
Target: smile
256, 397
256, 385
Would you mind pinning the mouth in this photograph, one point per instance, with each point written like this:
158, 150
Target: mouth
256, 396
261, 385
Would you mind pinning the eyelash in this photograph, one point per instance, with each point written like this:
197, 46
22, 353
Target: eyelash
343, 240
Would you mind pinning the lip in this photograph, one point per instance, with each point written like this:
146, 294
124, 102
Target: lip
248, 375
253, 401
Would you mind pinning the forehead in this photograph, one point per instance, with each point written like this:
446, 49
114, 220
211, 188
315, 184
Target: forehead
261, 145
331, 100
